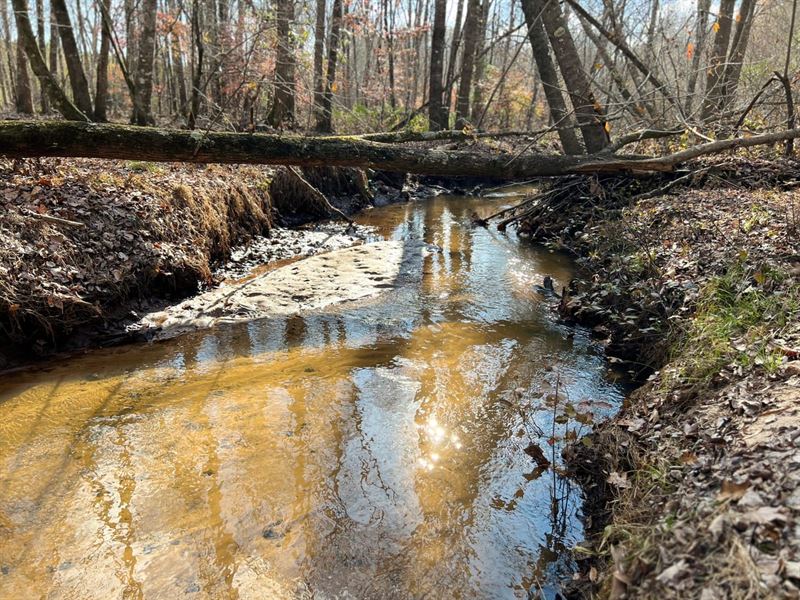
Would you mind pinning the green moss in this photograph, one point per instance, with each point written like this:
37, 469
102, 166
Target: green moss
144, 167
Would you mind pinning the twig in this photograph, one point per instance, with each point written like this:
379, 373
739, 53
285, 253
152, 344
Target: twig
317, 194
52, 219
638, 136
664, 189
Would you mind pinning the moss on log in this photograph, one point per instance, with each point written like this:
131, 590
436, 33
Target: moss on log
21, 139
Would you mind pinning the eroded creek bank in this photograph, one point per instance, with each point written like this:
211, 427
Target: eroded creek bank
394, 444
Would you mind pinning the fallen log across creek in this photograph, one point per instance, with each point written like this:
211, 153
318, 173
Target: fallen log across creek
26, 139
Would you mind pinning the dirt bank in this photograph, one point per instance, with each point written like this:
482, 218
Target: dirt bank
89, 246
694, 485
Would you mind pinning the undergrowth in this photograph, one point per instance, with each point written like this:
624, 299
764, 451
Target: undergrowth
737, 315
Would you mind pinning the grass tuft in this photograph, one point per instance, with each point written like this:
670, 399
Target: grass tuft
738, 314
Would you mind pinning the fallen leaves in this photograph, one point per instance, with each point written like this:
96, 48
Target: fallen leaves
732, 491
674, 573
618, 480
80, 237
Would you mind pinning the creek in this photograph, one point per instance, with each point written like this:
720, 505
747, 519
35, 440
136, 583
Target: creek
373, 448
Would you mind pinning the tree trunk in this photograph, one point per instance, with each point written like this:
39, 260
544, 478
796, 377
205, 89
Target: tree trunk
43, 99
480, 65
547, 73
24, 97
131, 44
101, 91
319, 58
733, 68
719, 54
142, 111
325, 120
588, 112
39, 67
700, 32
437, 114
54, 44
77, 76
198, 54
451, 62
471, 25
180, 76
282, 113
388, 19
9, 49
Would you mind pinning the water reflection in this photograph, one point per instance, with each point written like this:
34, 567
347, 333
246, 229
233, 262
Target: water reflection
371, 451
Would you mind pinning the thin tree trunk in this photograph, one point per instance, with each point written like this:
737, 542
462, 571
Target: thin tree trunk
741, 38
282, 113
325, 122
39, 67
471, 25
9, 48
451, 62
180, 76
588, 113
54, 43
198, 52
547, 72
77, 76
24, 97
142, 111
43, 100
437, 114
480, 64
700, 33
101, 92
719, 54
388, 17
131, 42
319, 58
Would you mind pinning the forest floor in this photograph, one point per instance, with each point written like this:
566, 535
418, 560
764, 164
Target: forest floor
88, 246
694, 487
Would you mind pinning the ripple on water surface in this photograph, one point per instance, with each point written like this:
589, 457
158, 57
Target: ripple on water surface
368, 450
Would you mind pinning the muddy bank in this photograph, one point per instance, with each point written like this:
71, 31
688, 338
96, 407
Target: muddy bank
90, 246
693, 486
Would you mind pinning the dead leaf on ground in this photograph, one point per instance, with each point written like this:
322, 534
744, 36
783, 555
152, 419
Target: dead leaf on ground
766, 514
673, 574
619, 480
732, 491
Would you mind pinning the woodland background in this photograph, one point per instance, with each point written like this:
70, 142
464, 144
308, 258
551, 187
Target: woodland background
597, 67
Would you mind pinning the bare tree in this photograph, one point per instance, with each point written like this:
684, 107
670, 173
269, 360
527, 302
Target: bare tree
436, 110
325, 117
142, 112
471, 25
719, 53
282, 113
319, 58
588, 111
696, 50
101, 90
540, 47
72, 56
27, 41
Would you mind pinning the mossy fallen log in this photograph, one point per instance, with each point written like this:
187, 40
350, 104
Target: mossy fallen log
21, 139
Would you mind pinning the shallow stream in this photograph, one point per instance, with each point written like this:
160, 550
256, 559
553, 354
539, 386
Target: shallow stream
372, 449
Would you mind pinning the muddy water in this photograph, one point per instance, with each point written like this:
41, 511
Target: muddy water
370, 450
